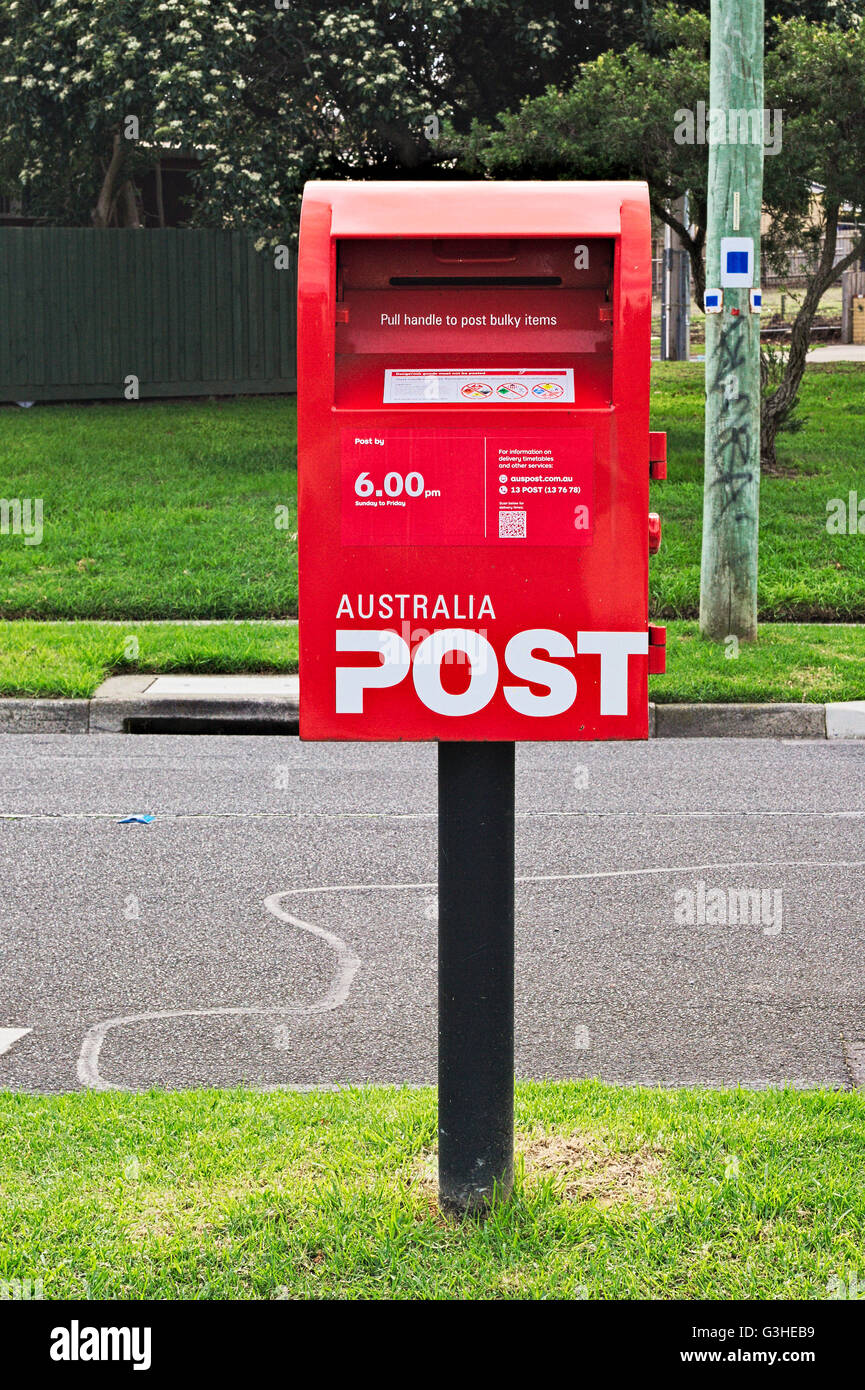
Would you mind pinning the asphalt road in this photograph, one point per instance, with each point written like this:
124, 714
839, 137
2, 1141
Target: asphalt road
275, 924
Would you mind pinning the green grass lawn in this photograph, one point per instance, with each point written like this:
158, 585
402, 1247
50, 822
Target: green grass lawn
625, 1193
152, 510
805, 573
789, 662
168, 509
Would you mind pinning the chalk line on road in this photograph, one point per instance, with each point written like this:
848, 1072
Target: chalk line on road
348, 963
606, 873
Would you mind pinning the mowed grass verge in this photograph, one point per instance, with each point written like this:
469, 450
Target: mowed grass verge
789, 662
624, 1194
805, 573
70, 660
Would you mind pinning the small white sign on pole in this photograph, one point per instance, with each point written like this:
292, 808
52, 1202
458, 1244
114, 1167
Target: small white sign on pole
737, 262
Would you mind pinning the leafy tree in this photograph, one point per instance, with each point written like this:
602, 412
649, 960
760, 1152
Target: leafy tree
267, 94
91, 90
271, 93
618, 120
623, 118
816, 75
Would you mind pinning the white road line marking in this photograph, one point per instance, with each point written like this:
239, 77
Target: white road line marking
348, 963
168, 816
10, 1036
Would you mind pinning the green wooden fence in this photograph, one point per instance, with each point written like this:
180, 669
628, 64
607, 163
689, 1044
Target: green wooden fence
187, 313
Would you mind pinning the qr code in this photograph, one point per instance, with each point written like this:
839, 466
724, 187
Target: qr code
512, 525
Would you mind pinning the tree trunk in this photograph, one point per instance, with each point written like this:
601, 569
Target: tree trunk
160, 205
692, 244
698, 268
778, 406
129, 203
101, 214
768, 460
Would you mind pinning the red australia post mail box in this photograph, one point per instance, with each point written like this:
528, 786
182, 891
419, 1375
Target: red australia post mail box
473, 395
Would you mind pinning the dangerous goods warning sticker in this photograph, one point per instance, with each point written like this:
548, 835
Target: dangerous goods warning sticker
476, 386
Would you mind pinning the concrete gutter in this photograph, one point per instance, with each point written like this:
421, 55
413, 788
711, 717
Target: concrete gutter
250, 704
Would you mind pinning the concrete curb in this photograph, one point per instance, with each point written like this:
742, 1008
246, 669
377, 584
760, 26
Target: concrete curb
248, 704
740, 721
44, 716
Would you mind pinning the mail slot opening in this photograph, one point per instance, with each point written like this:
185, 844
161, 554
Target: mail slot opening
468, 280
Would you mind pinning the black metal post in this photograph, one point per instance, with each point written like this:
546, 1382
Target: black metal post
476, 974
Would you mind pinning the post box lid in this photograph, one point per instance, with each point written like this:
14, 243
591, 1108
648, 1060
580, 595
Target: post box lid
476, 207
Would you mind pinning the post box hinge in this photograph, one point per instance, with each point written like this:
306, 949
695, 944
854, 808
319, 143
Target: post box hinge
657, 650
342, 313
605, 313
657, 454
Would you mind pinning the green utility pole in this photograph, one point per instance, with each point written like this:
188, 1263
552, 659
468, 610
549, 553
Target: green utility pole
728, 574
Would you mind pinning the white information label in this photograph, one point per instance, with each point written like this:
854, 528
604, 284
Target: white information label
476, 385
737, 262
